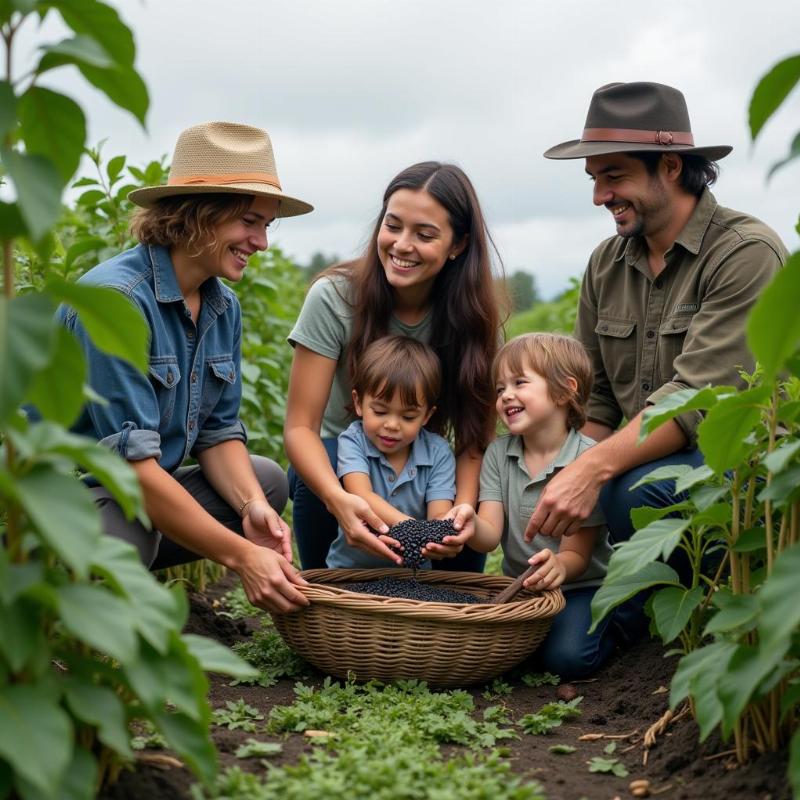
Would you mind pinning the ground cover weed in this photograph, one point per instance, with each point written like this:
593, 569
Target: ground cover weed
540, 679
550, 716
562, 749
608, 765
237, 606
266, 652
238, 715
253, 748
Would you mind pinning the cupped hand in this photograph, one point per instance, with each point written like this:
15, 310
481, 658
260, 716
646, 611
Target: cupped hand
263, 526
360, 525
550, 571
270, 581
463, 517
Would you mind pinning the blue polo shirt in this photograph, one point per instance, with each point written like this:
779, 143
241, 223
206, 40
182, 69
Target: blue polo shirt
429, 474
189, 398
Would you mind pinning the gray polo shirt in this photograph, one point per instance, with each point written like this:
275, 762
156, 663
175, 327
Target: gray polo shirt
505, 479
324, 325
429, 474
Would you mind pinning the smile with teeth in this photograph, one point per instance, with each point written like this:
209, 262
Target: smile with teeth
513, 411
402, 262
240, 254
619, 210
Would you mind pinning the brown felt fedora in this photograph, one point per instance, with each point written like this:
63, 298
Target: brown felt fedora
227, 158
636, 117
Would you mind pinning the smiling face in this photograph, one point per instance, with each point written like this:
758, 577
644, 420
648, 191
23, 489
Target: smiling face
237, 239
639, 201
415, 241
391, 424
524, 402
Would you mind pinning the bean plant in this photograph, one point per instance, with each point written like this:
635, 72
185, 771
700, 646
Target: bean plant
737, 626
89, 641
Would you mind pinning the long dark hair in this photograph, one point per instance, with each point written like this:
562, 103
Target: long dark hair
466, 316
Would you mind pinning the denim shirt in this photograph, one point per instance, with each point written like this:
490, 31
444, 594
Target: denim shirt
189, 399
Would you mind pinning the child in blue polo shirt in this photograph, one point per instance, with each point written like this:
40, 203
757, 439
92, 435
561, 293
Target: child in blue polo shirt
387, 457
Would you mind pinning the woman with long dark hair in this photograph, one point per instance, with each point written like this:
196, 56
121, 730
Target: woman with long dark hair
426, 273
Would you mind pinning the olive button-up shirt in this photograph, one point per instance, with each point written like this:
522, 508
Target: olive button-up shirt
650, 336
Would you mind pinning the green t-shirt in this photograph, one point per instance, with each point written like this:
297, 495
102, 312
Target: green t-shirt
324, 325
505, 479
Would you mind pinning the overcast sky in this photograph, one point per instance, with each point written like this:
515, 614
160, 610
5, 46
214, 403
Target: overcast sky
353, 91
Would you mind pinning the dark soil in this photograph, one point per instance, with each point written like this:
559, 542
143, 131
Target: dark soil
620, 704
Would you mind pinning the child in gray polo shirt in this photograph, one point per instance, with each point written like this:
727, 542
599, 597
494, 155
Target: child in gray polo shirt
387, 457
542, 382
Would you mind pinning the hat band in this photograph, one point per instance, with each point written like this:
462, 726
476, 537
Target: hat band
224, 179
636, 136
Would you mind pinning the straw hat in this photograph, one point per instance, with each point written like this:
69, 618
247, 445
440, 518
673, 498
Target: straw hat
636, 117
223, 157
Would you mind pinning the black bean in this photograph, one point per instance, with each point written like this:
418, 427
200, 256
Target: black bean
414, 534
411, 590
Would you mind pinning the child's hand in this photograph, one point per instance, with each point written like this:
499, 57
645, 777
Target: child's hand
550, 573
463, 517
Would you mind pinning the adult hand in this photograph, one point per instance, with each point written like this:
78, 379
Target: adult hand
463, 517
550, 573
567, 500
270, 581
360, 524
263, 526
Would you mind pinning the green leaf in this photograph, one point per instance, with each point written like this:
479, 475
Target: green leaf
771, 91
677, 403
102, 708
190, 740
63, 512
27, 333
41, 112
722, 435
672, 608
214, 657
657, 540
115, 166
780, 615
613, 593
122, 85
750, 540
90, 244
57, 390
35, 736
735, 611
794, 152
669, 472
76, 50
80, 779
779, 458
95, 615
693, 477
773, 328
8, 109
705, 496
38, 184
12, 225
783, 488
21, 634
100, 22
644, 515
114, 323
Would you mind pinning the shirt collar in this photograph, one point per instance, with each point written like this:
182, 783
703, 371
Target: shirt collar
569, 451
419, 455
166, 282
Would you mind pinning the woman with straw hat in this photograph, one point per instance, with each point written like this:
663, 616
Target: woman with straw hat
223, 192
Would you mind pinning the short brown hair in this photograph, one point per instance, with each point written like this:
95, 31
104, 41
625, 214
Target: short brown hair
187, 220
399, 364
556, 358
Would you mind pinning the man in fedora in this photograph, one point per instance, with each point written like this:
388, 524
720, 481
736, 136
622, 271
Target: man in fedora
663, 302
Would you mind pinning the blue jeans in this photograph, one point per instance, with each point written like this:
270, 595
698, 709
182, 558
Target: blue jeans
616, 501
315, 527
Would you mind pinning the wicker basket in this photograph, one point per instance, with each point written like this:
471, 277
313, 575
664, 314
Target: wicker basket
445, 644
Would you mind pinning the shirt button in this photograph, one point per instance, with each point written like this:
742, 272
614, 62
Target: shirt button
190, 334
650, 334
194, 377
646, 387
391, 479
191, 424
659, 283
170, 378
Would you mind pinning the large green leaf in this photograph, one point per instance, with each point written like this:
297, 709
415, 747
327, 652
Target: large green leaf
57, 390
21, 633
735, 611
112, 320
75, 50
101, 23
677, 403
783, 488
642, 516
94, 615
122, 85
39, 185
101, 707
80, 778
27, 333
670, 472
781, 456
8, 109
613, 593
672, 608
189, 739
771, 91
35, 736
41, 112
214, 657
657, 540
12, 226
722, 435
63, 512
780, 615
773, 328
693, 477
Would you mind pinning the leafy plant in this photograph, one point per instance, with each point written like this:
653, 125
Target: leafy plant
608, 765
550, 716
89, 641
562, 749
238, 716
738, 629
269, 655
252, 748
540, 679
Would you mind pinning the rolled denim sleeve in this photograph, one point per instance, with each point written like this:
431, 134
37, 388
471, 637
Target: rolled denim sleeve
128, 421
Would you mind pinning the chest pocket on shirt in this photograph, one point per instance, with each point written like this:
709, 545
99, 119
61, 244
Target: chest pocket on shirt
220, 372
670, 343
617, 339
165, 377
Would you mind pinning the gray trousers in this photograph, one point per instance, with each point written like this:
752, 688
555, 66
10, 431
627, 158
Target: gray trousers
156, 550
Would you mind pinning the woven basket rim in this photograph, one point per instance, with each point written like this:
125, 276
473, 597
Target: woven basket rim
530, 606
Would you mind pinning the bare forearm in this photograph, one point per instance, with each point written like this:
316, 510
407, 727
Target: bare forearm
468, 473
228, 468
575, 564
486, 537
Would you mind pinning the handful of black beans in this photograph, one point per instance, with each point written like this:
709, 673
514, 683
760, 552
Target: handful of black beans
414, 534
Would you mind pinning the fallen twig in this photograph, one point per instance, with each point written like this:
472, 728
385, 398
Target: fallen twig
159, 759
658, 727
723, 754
